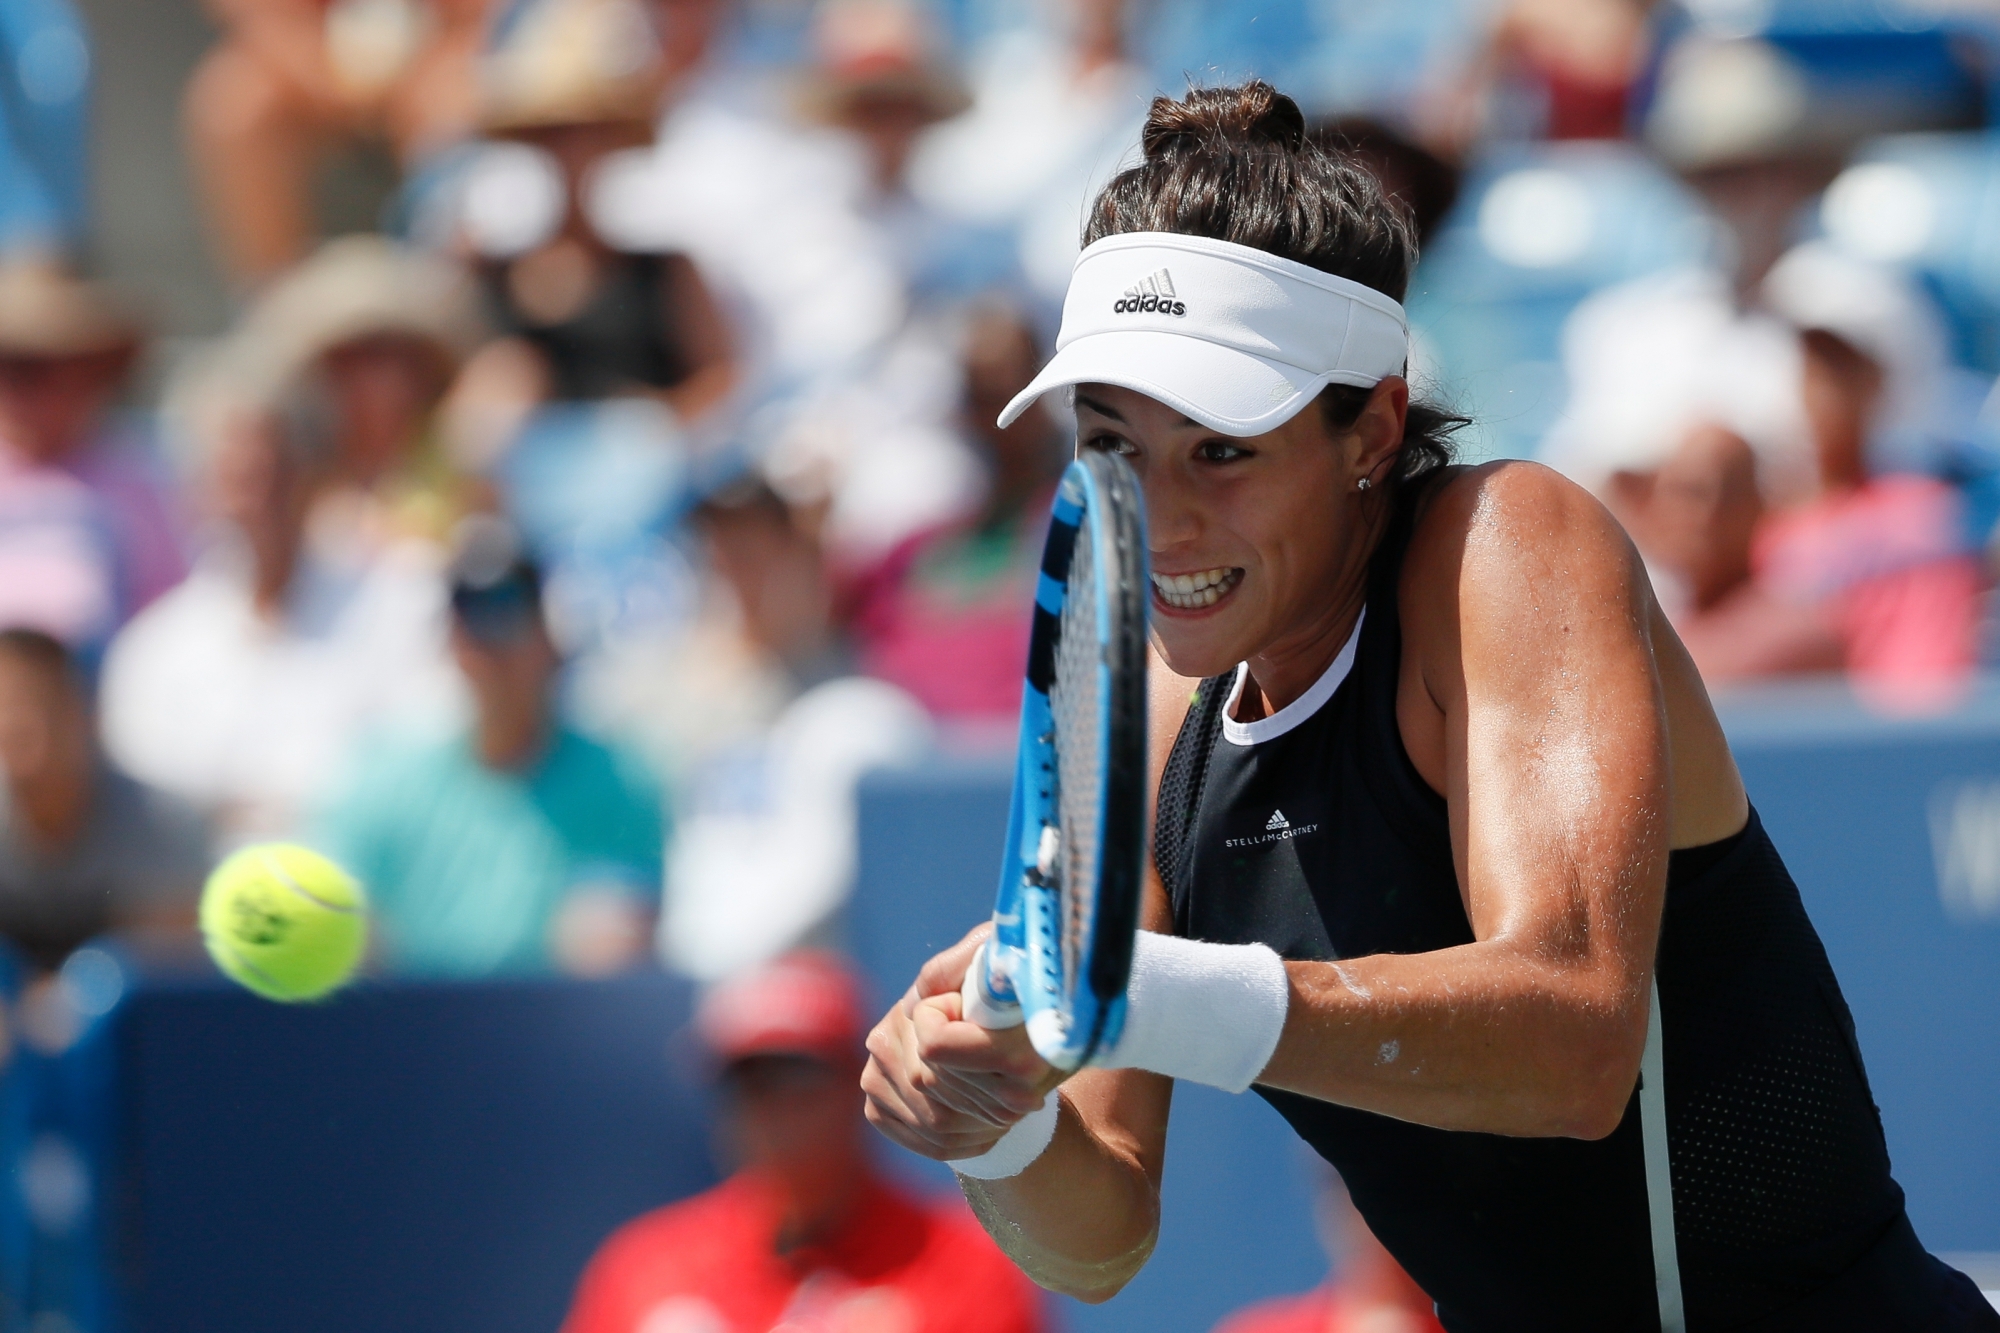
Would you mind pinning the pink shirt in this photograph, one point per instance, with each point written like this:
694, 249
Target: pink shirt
946, 616
1890, 562
85, 542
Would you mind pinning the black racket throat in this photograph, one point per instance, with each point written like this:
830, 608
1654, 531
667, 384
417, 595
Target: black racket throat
1122, 882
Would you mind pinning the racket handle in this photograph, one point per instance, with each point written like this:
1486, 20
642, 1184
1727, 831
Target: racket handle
981, 1005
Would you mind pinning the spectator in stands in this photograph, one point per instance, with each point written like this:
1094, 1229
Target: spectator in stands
751, 711
1694, 518
767, 554
1866, 565
1885, 554
88, 529
806, 1234
243, 688
806, 276
1550, 69
879, 76
693, 689
291, 79
946, 615
1759, 121
880, 79
578, 82
520, 845
84, 850
1369, 1292
384, 328
1056, 104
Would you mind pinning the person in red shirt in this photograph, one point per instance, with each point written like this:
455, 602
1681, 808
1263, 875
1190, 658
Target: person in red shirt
806, 1236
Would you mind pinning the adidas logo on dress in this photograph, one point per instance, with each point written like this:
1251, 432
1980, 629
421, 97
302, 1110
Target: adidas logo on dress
1154, 295
1277, 821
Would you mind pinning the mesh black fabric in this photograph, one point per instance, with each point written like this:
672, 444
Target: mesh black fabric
1181, 783
1776, 1146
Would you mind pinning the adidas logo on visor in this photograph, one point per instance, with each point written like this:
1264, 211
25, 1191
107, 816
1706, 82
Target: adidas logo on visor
1277, 821
1154, 295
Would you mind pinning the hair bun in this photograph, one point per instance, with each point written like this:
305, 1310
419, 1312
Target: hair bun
1249, 113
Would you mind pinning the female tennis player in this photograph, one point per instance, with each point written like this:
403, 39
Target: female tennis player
1449, 845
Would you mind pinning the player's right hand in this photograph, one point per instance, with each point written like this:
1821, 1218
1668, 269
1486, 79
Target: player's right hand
943, 1087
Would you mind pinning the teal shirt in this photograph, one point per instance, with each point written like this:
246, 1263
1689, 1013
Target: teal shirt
466, 865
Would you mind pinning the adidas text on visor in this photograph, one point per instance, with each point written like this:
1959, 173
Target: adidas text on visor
1230, 336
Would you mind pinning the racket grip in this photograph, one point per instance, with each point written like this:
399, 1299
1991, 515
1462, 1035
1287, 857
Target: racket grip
981, 1005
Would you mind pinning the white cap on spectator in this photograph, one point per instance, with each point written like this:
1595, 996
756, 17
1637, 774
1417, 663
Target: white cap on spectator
1879, 311
1649, 360
1233, 337
1882, 315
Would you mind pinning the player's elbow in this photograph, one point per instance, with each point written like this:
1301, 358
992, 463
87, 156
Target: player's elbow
1592, 1119
1598, 1084
1096, 1281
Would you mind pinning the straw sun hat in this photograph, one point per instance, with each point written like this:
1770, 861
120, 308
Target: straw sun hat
555, 63
877, 51
46, 311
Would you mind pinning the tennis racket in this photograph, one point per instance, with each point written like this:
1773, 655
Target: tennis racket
1071, 872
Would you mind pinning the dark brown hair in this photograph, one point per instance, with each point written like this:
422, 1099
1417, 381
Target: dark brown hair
43, 652
1236, 164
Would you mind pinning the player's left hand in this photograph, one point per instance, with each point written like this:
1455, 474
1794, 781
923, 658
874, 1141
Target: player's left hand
943, 1087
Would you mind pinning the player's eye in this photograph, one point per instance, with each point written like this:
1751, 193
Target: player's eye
1105, 442
1220, 451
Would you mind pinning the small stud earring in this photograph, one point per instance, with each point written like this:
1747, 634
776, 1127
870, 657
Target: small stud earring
1363, 484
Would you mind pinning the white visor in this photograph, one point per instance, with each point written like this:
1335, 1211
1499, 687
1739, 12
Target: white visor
1232, 337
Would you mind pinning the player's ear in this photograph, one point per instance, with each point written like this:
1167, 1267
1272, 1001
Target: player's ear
1377, 433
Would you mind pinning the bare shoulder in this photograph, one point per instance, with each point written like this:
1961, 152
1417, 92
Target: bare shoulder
1512, 521
1512, 562
1516, 503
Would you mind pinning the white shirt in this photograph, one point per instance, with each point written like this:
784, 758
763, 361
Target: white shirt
249, 717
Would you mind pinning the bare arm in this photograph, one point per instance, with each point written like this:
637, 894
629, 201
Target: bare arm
1532, 700
289, 38
1083, 1218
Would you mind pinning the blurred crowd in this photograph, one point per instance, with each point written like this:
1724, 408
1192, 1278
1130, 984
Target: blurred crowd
560, 554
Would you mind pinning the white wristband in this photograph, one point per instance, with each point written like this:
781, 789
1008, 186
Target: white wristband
1017, 1148
1208, 1013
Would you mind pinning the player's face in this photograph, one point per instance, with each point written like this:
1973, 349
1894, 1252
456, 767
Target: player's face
1253, 539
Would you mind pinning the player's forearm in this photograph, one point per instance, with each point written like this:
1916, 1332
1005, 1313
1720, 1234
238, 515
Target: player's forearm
1482, 1037
1081, 1220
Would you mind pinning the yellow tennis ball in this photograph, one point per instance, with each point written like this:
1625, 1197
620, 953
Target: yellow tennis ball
286, 922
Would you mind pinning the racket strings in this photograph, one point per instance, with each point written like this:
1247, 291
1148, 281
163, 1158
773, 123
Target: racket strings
1077, 703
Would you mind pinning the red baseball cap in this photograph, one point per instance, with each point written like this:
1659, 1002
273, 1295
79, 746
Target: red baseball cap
807, 1002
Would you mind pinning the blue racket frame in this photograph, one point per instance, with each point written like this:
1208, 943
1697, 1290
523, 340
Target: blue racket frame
1019, 975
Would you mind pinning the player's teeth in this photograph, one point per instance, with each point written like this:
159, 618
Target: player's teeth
1190, 592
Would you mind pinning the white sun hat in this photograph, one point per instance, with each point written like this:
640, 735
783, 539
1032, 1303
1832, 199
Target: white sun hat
1230, 336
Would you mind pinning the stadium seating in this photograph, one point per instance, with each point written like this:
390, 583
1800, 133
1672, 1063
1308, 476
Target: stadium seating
1537, 229
1930, 202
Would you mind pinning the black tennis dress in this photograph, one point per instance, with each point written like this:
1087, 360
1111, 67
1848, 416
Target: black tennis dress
1310, 831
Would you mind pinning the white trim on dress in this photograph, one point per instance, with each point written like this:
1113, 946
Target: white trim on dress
1299, 709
